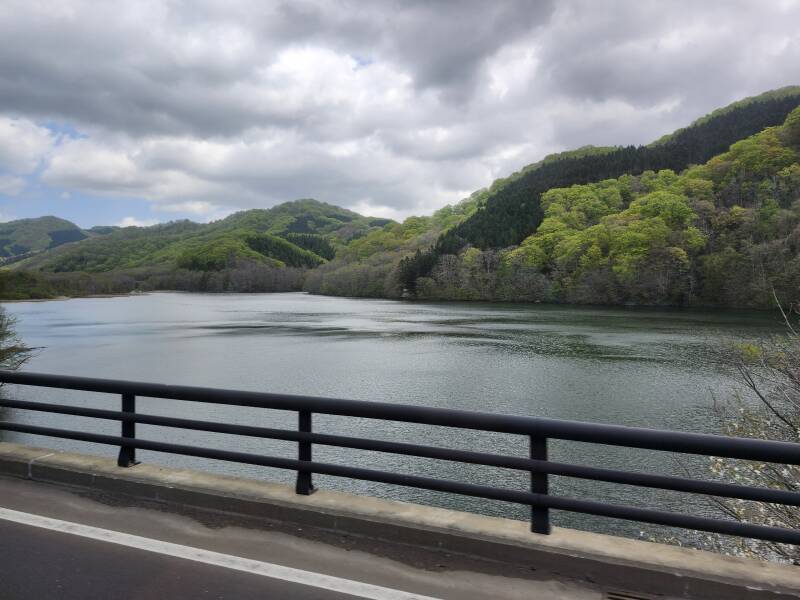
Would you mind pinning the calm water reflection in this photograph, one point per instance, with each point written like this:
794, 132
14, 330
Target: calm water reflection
651, 368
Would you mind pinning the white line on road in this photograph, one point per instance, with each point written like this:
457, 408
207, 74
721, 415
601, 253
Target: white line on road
308, 578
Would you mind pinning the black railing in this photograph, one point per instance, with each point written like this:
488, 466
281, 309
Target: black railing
537, 430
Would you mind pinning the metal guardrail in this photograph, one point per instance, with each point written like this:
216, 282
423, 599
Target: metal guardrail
537, 430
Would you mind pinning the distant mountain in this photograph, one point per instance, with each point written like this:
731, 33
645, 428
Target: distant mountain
725, 232
707, 215
26, 237
302, 233
303, 217
511, 208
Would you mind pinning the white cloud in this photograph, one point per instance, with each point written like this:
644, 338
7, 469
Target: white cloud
134, 222
194, 208
23, 144
390, 108
131, 169
371, 210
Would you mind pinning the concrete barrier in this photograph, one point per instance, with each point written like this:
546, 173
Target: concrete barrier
607, 561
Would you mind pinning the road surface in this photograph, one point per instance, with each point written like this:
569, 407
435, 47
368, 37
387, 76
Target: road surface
56, 543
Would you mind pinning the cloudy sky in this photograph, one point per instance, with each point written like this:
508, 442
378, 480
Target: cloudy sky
142, 112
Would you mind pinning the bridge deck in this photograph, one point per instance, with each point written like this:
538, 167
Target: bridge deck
39, 559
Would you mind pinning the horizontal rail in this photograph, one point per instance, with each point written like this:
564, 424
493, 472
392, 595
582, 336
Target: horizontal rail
665, 482
774, 534
618, 435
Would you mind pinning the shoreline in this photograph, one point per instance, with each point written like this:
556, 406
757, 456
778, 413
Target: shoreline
62, 298
498, 303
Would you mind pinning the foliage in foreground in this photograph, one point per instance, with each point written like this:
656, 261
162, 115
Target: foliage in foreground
13, 353
764, 405
769, 409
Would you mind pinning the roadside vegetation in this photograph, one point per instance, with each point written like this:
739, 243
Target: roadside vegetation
765, 404
768, 408
13, 353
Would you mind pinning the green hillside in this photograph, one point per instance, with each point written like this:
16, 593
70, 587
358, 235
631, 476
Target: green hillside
254, 250
699, 217
723, 233
303, 217
512, 208
290, 234
26, 237
746, 219
368, 266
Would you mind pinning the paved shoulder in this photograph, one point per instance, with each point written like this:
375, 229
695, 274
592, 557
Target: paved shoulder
37, 563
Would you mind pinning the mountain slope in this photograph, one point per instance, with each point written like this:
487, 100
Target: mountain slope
297, 234
723, 233
512, 210
726, 232
303, 217
25, 237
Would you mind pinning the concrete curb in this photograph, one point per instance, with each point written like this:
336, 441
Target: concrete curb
607, 561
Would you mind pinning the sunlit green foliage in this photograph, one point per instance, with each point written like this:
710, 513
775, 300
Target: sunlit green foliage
595, 225
26, 237
286, 235
368, 266
511, 209
726, 232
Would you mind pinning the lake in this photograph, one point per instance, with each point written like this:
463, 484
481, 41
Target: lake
643, 367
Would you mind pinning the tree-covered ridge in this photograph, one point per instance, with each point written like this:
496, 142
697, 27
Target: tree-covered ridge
303, 233
726, 232
511, 210
367, 266
230, 250
303, 217
722, 233
789, 91
25, 237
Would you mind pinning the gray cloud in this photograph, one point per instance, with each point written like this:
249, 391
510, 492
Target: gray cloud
199, 68
398, 106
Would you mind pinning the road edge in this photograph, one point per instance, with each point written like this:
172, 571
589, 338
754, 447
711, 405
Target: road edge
607, 561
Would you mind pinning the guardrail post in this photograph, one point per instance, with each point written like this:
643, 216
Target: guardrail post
304, 485
540, 515
127, 454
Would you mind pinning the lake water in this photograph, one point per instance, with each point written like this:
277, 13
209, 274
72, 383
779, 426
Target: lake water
651, 368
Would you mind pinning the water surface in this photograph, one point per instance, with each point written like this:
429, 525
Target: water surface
642, 367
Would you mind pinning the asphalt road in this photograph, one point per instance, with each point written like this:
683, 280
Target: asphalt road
37, 564
70, 544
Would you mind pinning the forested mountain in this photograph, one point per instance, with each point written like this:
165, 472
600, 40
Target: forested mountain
723, 233
512, 209
289, 234
25, 237
254, 250
303, 217
707, 215
368, 266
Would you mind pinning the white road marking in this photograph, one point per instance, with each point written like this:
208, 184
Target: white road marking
308, 578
